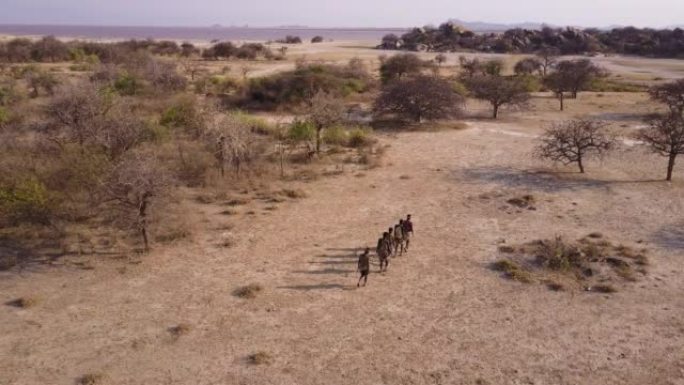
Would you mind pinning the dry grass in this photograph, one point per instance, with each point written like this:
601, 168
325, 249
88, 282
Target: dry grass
522, 202
602, 288
179, 330
249, 291
23, 302
294, 193
506, 249
512, 270
91, 379
228, 212
260, 358
581, 260
237, 202
555, 286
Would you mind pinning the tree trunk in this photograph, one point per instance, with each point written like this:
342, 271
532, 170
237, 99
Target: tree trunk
318, 139
670, 166
560, 96
142, 221
495, 113
581, 166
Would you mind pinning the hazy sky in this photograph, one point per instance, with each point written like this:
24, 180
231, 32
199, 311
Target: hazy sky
340, 13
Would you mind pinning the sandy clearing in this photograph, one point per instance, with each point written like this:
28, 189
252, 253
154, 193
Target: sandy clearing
438, 316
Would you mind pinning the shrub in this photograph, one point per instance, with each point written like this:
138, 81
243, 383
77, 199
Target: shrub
335, 135
512, 270
249, 291
27, 201
301, 131
183, 114
127, 84
359, 137
23, 302
317, 39
260, 358
299, 86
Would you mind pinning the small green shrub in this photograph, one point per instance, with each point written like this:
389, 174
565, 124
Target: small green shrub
512, 270
301, 131
127, 85
359, 137
27, 201
335, 135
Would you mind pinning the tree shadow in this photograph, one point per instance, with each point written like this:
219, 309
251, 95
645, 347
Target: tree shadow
325, 271
670, 237
320, 286
540, 180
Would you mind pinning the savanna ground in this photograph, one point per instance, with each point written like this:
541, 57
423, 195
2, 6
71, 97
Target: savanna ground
440, 315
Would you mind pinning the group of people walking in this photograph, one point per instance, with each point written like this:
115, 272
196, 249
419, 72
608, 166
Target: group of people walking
394, 242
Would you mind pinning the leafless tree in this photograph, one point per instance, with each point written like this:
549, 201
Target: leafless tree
325, 111
78, 109
422, 97
665, 136
192, 67
231, 142
498, 91
37, 79
574, 141
671, 94
135, 184
548, 57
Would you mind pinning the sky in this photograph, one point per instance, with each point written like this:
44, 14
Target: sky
341, 13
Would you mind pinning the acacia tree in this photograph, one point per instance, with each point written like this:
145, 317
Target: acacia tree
231, 142
78, 112
135, 184
559, 83
579, 74
421, 97
399, 66
665, 137
325, 111
574, 141
498, 91
528, 66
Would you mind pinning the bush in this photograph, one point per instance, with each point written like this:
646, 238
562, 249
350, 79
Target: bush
5, 116
127, 85
335, 135
301, 131
299, 86
317, 39
27, 201
183, 114
359, 137
249, 291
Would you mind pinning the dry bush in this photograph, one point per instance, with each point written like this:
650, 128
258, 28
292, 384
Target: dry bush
249, 291
23, 302
512, 270
294, 193
587, 260
524, 201
136, 184
179, 330
91, 379
260, 358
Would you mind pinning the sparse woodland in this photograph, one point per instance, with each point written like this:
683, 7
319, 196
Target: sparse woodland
113, 140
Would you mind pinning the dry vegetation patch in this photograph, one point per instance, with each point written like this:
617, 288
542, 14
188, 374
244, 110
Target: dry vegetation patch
592, 263
260, 358
23, 302
249, 291
91, 379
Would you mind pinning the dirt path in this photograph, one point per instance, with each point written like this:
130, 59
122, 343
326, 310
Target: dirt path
438, 316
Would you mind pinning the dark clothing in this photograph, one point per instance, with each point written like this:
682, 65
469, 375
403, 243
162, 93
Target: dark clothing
408, 226
381, 245
364, 263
